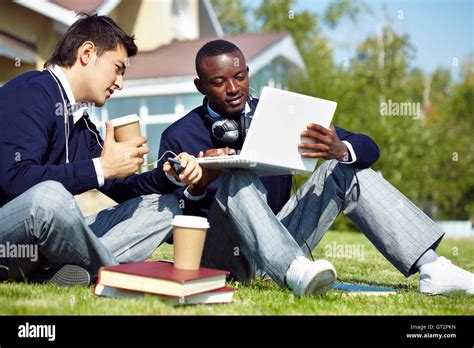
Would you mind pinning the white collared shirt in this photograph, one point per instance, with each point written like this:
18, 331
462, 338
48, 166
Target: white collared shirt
78, 108
77, 113
215, 115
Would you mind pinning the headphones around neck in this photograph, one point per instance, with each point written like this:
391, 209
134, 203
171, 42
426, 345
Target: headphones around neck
229, 130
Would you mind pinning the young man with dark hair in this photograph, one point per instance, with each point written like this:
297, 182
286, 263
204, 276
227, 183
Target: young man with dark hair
256, 228
50, 151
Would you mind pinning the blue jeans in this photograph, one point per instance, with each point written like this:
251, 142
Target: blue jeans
247, 239
48, 217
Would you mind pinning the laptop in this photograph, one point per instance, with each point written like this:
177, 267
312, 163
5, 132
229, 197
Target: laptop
271, 145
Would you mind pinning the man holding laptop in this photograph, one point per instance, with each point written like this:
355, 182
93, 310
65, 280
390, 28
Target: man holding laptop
257, 229
279, 153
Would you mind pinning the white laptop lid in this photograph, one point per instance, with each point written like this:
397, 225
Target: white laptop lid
279, 119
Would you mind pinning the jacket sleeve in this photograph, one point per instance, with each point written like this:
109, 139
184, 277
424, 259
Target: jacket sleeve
366, 150
169, 142
120, 190
27, 126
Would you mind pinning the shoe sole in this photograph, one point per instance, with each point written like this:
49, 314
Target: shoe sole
70, 275
322, 282
439, 290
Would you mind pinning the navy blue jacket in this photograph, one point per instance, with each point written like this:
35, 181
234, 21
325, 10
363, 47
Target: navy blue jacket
191, 134
32, 145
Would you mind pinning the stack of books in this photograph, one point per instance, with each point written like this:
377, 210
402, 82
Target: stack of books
161, 279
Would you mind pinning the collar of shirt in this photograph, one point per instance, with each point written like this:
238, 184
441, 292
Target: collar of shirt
77, 108
215, 115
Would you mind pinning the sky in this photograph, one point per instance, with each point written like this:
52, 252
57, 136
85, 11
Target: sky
442, 31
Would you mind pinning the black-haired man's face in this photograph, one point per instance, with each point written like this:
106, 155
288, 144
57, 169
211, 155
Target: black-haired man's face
104, 75
225, 81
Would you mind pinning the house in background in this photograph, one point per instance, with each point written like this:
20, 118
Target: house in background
158, 82
30, 29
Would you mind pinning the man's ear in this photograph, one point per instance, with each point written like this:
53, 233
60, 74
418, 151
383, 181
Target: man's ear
198, 84
87, 53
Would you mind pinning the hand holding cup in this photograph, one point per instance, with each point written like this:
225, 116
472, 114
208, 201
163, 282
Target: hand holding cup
123, 149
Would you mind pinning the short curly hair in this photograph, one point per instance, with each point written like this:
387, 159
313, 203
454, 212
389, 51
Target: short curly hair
214, 48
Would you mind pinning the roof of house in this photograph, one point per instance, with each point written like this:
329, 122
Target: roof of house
79, 6
177, 58
14, 47
65, 11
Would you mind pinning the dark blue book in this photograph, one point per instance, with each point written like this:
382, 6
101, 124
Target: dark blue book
354, 289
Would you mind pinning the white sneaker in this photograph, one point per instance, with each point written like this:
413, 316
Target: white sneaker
310, 277
442, 276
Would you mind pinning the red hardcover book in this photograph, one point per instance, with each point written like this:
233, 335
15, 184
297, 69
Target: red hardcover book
222, 295
160, 277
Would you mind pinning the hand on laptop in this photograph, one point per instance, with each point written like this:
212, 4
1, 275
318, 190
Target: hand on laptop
209, 175
191, 170
327, 144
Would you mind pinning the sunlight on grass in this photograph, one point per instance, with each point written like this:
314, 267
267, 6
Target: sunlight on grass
264, 297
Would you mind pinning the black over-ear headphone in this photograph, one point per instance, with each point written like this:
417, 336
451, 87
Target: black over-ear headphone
229, 130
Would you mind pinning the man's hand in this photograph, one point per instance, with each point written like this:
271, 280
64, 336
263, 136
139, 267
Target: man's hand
208, 175
327, 144
192, 171
120, 160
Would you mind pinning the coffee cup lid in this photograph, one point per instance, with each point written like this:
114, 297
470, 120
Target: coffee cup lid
190, 221
116, 122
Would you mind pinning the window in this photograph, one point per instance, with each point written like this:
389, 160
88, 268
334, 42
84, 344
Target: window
123, 106
161, 104
274, 75
153, 135
191, 101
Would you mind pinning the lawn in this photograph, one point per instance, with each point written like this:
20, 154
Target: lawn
355, 259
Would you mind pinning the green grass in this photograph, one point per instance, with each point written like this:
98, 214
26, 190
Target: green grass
264, 297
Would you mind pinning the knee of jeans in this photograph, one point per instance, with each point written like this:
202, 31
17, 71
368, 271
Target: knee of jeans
239, 179
245, 176
162, 202
51, 196
343, 174
341, 169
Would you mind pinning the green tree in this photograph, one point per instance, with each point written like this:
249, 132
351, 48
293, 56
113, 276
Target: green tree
427, 156
440, 86
232, 15
280, 15
304, 26
453, 120
335, 11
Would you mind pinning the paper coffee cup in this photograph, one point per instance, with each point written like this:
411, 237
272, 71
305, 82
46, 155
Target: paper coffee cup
126, 127
189, 235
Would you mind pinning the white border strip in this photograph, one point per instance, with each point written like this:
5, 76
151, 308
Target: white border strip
213, 16
107, 7
50, 10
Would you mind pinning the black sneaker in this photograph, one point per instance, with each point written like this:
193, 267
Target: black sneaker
64, 275
3, 269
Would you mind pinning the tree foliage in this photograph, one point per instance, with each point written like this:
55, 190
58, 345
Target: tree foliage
428, 155
232, 15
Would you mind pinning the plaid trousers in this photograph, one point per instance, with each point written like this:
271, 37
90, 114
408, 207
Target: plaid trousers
47, 215
247, 239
